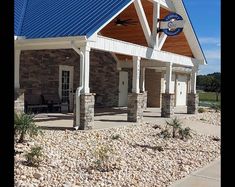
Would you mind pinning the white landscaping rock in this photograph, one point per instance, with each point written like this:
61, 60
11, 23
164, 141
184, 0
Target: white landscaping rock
69, 158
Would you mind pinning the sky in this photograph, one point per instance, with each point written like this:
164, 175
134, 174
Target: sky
205, 18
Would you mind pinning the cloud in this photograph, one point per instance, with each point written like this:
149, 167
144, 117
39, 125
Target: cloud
209, 40
212, 54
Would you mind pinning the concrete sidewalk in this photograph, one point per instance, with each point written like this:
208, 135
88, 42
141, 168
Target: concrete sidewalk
208, 176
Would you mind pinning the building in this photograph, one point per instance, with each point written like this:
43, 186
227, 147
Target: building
104, 53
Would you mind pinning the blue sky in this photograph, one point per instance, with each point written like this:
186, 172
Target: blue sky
205, 17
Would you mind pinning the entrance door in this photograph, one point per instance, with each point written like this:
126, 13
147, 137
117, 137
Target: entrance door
123, 88
66, 85
181, 90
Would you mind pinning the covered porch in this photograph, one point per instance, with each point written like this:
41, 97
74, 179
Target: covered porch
103, 118
143, 49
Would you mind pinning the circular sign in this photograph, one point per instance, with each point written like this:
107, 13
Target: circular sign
172, 27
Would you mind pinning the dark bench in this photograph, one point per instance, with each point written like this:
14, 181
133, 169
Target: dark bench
53, 102
35, 104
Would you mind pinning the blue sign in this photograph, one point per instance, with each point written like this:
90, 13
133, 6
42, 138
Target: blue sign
172, 24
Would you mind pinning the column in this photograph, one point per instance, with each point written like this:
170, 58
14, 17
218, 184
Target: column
19, 93
142, 87
167, 109
17, 68
87, 99
135, 99
192, 97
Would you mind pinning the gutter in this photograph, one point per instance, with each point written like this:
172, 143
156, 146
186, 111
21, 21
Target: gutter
79, 89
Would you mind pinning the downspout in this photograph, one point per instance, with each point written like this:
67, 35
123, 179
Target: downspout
80, 88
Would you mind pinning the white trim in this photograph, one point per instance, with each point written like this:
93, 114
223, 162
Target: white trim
155, 34
143, 20
86, 51
49, 43
168, 78
166, 4
154, 65
189, 32
193, 79
126, 48
17, 69
71, 79
162, 40
136, 75
142, 79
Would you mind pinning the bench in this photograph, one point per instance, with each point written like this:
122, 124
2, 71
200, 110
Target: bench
53, 102
35, 104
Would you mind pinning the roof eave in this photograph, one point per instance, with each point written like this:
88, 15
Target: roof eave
193, 42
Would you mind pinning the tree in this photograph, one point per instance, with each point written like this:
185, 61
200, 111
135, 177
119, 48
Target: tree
210, 83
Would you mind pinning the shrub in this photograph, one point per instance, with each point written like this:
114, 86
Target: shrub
34, 157
24, 124
201, 110
103, 157
185, 133
176, 126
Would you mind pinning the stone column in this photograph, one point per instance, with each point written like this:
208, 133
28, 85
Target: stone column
192, 103
19, 100
168, 98
135, 107
135, 99
87, 102
192, 97
168, 101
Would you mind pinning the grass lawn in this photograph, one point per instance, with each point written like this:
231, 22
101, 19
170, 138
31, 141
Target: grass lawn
208, 98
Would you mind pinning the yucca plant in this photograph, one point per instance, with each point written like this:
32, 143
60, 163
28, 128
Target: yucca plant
185, 133
175, 123
24, 124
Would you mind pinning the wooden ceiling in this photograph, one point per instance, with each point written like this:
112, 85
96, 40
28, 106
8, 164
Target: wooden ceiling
134, 33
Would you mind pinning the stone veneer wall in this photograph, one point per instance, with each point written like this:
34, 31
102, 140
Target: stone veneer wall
135, 107
39, 73
168, 102
19, 100
192, 103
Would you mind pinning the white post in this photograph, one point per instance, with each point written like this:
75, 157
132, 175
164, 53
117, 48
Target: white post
136, 75
156, 16
85, 79
194, 78
17, 68
168, 77
142, 80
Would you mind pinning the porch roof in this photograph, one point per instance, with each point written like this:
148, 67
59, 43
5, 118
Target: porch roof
62, 18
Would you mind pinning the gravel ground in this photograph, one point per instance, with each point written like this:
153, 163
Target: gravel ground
134, 158
208, 117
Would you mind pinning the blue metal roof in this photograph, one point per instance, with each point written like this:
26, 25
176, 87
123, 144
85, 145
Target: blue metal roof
61, 18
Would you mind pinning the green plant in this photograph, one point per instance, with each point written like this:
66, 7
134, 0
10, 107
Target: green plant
185, 133
24, 124
175, 123
103, 155
34, 157
201, 110
115, 137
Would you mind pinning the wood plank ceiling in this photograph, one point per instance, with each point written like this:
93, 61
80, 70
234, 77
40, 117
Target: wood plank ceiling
134, 33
